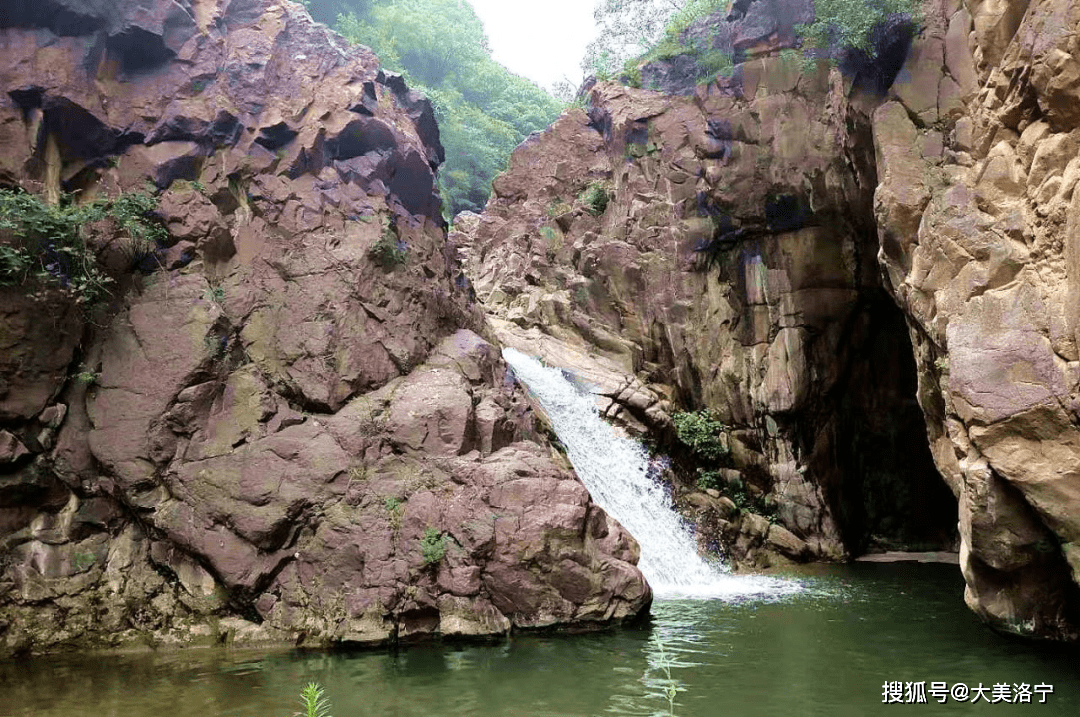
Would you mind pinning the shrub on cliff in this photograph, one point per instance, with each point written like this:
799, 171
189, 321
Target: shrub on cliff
388, 251
595, 197
433, 546
702, 433
852, 25
44, 249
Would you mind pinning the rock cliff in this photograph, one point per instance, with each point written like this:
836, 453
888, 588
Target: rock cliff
979, 224
291, 428
733, 266
742, 242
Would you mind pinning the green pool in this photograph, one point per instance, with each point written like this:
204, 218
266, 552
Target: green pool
828, 650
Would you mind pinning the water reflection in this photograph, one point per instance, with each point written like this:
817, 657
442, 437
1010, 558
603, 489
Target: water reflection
824, 651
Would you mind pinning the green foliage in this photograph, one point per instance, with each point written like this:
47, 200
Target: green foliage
702, 433
314, 701
595, 197
634, 32
557, 208
433, 546
44, 246
396, 511
388, 251
712, 63
87, 377
710, 479
849, 24
483, 110
82, 561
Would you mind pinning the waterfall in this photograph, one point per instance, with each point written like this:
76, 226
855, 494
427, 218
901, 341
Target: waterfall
614, 468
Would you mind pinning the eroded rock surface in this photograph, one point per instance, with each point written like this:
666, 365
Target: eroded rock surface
277, 435
733, 267
979, 226
755, 224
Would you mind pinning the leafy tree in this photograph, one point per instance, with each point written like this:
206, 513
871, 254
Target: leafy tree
484, 111
845, 25
629, 29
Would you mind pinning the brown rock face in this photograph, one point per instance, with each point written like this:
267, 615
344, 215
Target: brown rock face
279, 429
732, 267
978, 222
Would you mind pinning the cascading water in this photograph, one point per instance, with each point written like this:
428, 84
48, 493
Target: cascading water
614, 468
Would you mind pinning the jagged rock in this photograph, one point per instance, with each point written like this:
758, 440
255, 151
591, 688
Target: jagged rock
786, 543
272, 423
11, 448
984, 267
731, 268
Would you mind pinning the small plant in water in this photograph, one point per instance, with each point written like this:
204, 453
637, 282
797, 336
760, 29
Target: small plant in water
671, 686
314, 702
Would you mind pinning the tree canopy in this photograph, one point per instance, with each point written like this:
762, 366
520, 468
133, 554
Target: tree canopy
629, 29
484, 110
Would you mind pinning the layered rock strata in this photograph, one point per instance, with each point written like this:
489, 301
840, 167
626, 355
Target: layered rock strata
291, 429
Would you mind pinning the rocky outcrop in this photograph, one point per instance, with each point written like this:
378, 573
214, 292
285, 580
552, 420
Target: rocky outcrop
757, 231
718, 249
978, 219
291, 429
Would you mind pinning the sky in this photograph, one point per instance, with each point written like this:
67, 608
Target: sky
542, 41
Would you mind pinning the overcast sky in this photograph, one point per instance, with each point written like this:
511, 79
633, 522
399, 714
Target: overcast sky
543, 41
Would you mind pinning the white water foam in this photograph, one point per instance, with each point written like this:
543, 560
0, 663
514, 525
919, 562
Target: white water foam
615, 470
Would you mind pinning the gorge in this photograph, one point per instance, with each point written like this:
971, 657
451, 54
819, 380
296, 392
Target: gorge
297, 425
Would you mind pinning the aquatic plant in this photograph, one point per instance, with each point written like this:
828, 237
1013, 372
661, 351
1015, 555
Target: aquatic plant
314, 701
672, 688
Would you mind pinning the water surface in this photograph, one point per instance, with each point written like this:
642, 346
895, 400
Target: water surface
825, 650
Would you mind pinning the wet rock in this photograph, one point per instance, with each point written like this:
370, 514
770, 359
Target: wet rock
734, 244
277, 421
786, 543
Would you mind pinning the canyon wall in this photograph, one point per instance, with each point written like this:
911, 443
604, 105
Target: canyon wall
979, 222
286, 424
759, 229
733, 267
